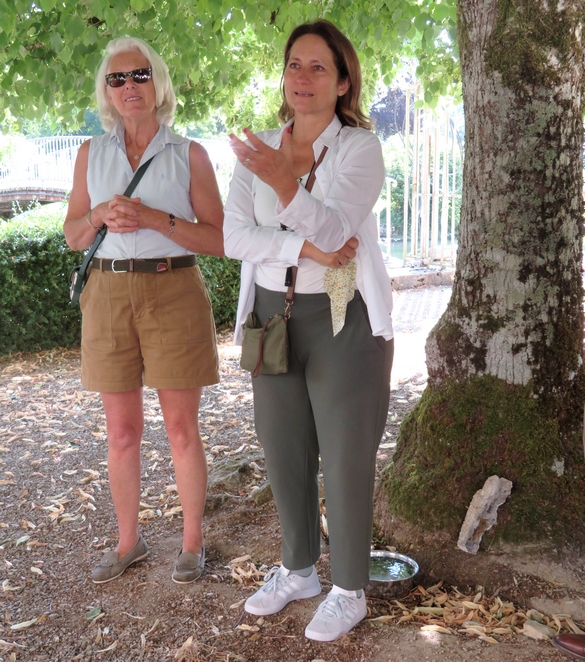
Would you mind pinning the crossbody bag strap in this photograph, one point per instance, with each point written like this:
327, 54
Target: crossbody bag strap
137, 177
291, 272
104, 229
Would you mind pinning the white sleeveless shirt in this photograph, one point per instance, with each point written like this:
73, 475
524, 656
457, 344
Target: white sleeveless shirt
165, 186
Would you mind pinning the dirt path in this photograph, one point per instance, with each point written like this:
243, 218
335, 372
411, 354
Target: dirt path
56, 518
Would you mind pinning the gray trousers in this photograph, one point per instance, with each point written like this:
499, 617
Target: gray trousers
333, 402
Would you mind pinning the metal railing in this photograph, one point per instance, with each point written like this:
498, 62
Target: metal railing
47, 164
41, 164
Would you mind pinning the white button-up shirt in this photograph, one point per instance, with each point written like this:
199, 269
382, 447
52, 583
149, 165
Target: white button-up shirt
348, 183
165, 185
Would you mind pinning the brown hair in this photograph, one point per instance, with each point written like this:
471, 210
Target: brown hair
348, 107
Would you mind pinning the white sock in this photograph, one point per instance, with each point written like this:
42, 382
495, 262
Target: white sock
337, 590
303, 572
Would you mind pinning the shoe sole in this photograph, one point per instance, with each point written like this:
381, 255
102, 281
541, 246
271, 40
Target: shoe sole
329, 636
105, 581
303, 595
187, 581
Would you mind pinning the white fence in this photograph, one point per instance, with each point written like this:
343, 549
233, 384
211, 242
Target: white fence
41, 164
46, 164
432, 157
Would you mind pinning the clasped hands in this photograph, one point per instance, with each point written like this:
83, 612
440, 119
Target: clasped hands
122, 214
275, 168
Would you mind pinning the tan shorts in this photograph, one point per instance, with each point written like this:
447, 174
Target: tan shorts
151, 329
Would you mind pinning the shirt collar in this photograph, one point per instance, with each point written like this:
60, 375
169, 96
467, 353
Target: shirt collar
325, 139
164, 136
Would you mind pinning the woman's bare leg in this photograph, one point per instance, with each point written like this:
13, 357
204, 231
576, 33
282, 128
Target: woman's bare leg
180, 408
124, 424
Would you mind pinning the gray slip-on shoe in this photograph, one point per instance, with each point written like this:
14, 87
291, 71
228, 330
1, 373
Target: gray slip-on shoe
112, 566
188, 567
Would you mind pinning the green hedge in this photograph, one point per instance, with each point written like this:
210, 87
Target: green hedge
35, 262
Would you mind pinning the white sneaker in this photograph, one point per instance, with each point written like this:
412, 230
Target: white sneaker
282, 586
336, 616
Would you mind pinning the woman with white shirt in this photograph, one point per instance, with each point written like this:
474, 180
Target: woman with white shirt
147, 318
333, 401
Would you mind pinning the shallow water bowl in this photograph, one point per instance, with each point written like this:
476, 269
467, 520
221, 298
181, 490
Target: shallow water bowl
391, 574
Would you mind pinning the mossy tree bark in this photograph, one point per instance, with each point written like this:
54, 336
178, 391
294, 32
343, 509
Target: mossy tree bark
506, 384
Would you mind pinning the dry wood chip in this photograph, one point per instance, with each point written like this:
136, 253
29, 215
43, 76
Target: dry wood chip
382, 619
153, 628
7, 588
10, 644
428, 610
24, 624
573, 627
248, 628
437, 628
240, 560
177, 510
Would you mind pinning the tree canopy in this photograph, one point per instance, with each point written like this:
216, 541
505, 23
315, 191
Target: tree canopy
222, 55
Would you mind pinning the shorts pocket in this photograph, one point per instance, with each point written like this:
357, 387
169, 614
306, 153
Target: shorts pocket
184, 309
96, 312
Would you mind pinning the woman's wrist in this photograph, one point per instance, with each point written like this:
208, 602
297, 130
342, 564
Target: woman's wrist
88, 219
287, 192
311, 251
169, 225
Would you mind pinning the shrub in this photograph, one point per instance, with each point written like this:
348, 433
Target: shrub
34, 295
35, 263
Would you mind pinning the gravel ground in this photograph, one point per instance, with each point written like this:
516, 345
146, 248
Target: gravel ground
56, 518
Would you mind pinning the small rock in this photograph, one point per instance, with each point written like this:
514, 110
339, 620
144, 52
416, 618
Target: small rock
482, 512
262, 494
536, 630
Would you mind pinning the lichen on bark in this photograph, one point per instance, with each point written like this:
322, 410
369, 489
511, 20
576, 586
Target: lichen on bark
531, 40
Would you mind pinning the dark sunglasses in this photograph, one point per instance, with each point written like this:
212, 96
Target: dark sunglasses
118, 78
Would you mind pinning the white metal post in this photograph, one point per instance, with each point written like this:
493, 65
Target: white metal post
406, 173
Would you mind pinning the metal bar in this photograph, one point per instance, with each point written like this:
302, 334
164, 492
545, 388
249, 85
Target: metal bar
406, 173
445, 201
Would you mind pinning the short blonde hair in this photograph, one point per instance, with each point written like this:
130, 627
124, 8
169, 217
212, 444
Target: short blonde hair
165, 96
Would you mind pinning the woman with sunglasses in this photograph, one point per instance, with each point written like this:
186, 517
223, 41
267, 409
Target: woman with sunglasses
147, 318
333, 401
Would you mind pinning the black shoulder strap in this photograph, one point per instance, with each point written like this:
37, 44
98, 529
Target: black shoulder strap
137, 177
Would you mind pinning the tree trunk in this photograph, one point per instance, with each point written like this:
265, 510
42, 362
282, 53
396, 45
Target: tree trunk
506, 383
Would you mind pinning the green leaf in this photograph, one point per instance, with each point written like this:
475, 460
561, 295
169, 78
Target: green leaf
56, 41
403, 26
429, 34
47, 5
74, 27
421, 21
65, 55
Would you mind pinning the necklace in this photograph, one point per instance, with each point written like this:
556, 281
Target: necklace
136, 157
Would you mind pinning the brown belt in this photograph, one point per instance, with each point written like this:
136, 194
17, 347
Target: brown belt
157, 265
